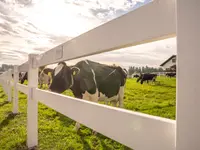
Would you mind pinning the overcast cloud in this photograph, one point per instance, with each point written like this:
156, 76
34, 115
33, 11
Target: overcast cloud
28, 26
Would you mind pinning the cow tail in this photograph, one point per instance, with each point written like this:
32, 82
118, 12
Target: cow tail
123, 74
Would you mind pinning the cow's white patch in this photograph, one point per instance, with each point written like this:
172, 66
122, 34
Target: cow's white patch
94, 77
86, 62
117, 98
111, 72
103, 97
58, 68
91, 97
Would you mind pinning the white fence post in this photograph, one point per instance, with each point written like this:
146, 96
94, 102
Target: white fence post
6, 82
3, 82
188, 89
9, 78
32, 108
16, 80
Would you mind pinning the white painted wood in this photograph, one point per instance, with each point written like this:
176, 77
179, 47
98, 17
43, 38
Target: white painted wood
4, 81
1, 81
148, 23
188, 89
22, 88
9, 86
152, 22
4, 85
32, 108
12, 83
136, 130
16, 80
24, 67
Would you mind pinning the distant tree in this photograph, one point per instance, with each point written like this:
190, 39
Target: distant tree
146, 69
5, 67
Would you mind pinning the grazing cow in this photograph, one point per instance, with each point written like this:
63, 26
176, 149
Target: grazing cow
20, 75
44, 78
147, 77
91, 81
25, 77
47, 70
136, 76
171, 74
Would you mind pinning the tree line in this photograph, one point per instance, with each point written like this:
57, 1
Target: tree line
146, 69
5, 67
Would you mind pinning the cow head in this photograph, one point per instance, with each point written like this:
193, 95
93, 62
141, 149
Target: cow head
62, 77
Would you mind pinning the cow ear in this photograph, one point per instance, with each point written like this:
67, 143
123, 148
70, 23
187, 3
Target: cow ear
75, 71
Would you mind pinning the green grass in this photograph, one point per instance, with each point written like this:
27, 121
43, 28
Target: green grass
56, 131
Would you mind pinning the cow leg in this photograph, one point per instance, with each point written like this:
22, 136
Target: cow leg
114, 103
121, 97
40, 83
89, 97
77, 127
94, 98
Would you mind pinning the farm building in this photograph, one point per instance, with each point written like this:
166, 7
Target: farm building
170, 63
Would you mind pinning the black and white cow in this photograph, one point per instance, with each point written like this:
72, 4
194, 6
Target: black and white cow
171, 74
20, 76
91, 81
147, 77
136, 76
24, 77
43, 77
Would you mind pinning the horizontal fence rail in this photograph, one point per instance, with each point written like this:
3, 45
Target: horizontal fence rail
148, 23
24, 67
130, 128
22, 88
135, 130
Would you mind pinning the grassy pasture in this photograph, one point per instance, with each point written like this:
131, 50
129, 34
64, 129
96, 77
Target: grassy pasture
56, 131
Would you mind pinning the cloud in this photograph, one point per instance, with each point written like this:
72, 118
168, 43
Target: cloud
35, 26
150, 54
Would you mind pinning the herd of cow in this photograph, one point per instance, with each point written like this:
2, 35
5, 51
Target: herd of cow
150, 76
88, 80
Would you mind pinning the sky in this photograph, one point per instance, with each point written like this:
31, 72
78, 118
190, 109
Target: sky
35, 26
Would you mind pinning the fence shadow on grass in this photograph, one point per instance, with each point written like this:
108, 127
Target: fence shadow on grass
4, 103
6, 121
23, 146
164, 85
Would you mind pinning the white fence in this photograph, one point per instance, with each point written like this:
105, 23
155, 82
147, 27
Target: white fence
154, 21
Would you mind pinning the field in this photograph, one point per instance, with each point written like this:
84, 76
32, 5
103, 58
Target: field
56, 131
